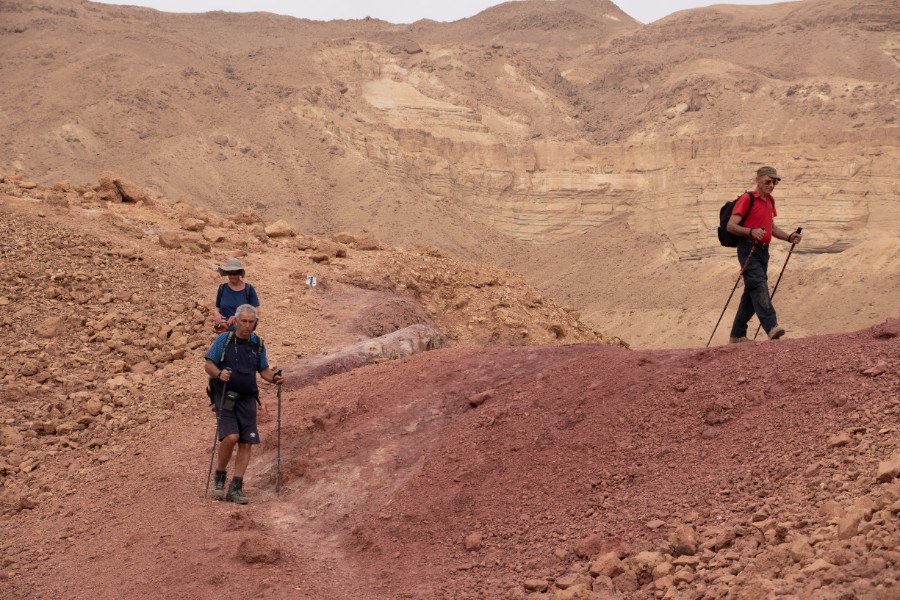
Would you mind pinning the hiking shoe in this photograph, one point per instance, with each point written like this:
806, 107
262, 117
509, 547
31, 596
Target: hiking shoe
738, 340
776, 332
236, 493
218, 492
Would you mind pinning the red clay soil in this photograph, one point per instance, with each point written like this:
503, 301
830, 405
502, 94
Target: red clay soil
503, 472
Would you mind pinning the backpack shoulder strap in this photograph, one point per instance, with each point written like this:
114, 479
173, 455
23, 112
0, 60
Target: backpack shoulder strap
749, 207
247, 289
225, 347
219, 295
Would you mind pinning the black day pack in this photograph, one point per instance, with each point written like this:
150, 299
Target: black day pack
726, 238
247, 288
214, 387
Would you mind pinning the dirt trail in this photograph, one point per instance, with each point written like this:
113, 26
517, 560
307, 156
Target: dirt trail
478, 471
387, 470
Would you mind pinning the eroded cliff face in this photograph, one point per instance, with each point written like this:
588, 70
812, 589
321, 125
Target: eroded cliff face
839, 182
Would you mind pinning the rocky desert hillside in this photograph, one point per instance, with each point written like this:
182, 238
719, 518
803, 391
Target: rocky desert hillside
487, 467
563, 139
486, 257
479, 470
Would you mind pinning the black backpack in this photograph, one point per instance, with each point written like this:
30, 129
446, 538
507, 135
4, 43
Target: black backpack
247, 288
727, 238
214, 388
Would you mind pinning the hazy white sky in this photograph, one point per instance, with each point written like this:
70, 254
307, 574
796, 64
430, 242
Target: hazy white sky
403, 11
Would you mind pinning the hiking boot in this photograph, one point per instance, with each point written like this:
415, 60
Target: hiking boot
218, 492
776, 332
236, 492
738, 340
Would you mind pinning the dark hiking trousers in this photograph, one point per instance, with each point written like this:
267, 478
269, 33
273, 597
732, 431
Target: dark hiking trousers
756, 299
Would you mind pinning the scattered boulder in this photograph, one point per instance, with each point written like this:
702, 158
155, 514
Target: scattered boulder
213, 235
888, 469
280, 229
411, 47
608, 565
474, 541
170, 239
51, 327
344, 238
248, 216
683, 540
93, 407
10, 436
114, 188
190, 224
367, 243
842, 439
587, 546
536, 585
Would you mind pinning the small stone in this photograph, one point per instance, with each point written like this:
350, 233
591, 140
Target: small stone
842, 439
280, 229
646, 561
536, 585
816, 566
663, 583
170, 239
473, 541
683, 576
849, 526
683, 540
831, 510
879, 368
93, 407
588, 546
570, 580
800, 549
607, 565
888, 469
686, 561
51, 327
480, 398
662, 570
654, 524
190, 224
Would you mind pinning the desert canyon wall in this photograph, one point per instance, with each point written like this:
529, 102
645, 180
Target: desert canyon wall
506, 137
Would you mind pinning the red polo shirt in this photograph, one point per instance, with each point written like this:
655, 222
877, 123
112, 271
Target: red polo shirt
762, 215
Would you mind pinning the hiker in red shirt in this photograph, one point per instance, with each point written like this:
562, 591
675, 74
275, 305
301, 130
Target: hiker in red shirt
757, 231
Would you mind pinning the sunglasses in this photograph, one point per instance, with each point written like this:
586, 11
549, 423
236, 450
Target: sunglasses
235, 273
770, 182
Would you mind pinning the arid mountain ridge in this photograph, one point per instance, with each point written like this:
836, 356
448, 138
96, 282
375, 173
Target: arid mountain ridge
527, 136
404, 167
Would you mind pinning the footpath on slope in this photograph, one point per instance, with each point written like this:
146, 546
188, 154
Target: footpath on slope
576, 471
106, 312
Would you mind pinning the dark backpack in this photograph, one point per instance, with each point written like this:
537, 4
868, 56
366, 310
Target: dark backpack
214, 388
247, 288
727, 238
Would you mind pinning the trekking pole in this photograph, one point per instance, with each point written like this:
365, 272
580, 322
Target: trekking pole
775, 289
215, 439
278, 464
743, 268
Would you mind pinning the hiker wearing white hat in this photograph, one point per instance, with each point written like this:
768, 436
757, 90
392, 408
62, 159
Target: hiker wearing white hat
231, 294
